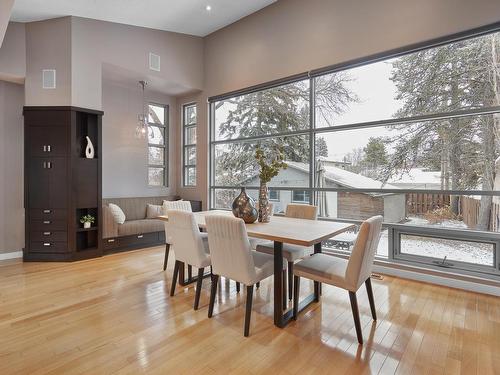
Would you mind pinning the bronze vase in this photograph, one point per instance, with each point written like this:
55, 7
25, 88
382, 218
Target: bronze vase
244, 207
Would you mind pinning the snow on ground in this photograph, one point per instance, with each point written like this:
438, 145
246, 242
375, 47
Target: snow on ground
470, 252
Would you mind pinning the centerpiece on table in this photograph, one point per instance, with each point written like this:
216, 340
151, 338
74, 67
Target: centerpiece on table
269, 167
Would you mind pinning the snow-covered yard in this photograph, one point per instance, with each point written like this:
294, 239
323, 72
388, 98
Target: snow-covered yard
458, 250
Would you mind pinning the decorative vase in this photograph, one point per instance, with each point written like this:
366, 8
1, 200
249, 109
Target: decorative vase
89, 150
87, 224
264, 209
244, 207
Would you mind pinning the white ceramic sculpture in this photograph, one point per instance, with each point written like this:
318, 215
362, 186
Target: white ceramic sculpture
89, 150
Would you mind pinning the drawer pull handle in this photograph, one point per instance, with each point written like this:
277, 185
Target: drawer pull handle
46, 244
48, 148
47, 233
111, 240
47, 211
140, 236
46, 221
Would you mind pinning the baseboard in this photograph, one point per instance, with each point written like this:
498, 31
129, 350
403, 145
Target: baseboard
471, 286
12, 255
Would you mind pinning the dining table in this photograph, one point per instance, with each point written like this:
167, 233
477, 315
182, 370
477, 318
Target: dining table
281, 230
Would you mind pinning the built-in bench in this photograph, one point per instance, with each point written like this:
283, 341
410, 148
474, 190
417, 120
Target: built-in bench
138, 230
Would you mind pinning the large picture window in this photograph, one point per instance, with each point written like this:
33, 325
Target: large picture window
157, 145
189, 120
413, 137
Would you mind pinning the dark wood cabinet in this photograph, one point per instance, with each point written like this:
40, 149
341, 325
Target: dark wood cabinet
61, 184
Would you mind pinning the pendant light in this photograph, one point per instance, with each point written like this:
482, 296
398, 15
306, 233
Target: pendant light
141, 129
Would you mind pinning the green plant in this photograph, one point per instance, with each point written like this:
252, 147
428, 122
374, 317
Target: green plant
87, 219
269, 166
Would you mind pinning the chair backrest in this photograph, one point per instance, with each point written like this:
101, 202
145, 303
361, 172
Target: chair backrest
230, 250
174, 205
186, 237
360, 263
302, 211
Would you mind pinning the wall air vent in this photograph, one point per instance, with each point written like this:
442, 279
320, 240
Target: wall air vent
49, 78
154, 62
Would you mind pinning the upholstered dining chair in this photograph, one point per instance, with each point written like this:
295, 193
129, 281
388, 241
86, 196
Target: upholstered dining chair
346, 274
190, 246
233, 258
292, 253
172, 205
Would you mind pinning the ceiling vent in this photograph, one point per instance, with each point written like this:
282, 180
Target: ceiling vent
49, 78
154, 62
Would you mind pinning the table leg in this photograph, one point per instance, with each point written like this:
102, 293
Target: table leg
278, 284
317, 285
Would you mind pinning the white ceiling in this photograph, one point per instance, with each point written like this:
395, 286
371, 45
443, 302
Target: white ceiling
182, 16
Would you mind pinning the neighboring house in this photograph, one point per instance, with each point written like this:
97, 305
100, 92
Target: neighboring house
417, 178
346, 205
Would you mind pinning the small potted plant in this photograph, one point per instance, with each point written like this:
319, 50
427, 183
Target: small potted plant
87, 221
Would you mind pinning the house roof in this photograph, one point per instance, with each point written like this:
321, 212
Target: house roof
344, 178
418, 176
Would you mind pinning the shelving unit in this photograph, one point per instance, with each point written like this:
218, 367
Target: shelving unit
70, 187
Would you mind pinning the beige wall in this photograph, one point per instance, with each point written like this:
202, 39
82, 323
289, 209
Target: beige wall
5, 10
13, 54
125, 158
48, 46
11, 167
127, 47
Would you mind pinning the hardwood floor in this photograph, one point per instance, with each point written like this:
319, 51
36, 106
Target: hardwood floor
113, 315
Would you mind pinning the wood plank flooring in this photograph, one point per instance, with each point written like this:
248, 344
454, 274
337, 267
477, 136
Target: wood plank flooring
113, 315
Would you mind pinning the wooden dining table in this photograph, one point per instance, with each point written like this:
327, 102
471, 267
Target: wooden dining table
282, 230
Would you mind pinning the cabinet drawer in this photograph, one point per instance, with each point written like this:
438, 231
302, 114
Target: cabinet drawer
49, 236
49, 247
110, 243
48, 214
48, 225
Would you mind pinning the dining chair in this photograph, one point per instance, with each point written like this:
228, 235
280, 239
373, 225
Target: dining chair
190, 246
342, 273
233, 258
291, 252
172, 205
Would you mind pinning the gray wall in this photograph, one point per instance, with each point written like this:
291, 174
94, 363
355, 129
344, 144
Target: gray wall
13, 54
11, 167
125, 159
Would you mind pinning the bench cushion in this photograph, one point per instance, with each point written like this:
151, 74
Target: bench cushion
132, 227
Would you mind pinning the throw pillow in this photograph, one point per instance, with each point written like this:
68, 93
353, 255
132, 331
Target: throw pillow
117, 213
153, 211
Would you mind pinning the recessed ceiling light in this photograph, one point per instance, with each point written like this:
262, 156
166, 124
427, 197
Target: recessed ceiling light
208, 8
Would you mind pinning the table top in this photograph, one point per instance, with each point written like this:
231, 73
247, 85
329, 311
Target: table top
284, 229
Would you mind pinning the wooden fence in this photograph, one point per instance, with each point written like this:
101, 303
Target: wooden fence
469, 210
419, 204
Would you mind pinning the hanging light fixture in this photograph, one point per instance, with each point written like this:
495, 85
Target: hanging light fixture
141, 129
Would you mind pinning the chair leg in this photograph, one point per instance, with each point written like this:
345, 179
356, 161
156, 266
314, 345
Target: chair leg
174, 278
355, 314
199, 282
237, 287
248, 312
258, 285
369, 291
290, 280
213, 292
283, 280
165, 261
296, 293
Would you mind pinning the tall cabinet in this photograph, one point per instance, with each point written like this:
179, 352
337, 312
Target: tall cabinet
61, 183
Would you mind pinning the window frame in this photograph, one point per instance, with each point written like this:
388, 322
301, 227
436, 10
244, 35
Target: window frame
164, 146
277, 199
394, 237
185, 146
307, 199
